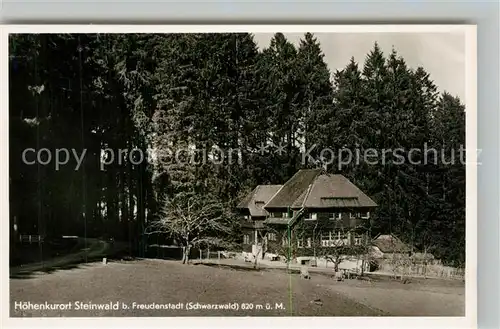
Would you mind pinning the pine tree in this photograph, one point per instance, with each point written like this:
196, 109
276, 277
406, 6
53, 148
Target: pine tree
378, 181
449, 183
350, 118
283, 99
316, 98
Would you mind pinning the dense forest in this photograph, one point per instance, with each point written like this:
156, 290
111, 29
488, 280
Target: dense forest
101, 93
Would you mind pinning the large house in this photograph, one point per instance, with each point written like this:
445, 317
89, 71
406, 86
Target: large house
310, 214
254, 215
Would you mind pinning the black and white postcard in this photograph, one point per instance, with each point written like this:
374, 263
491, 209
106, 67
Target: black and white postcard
235, 171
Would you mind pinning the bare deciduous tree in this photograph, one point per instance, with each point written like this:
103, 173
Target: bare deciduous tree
401, 263
286, 244
337, 248
192, 219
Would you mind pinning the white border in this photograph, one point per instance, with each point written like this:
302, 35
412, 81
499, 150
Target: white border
470, 319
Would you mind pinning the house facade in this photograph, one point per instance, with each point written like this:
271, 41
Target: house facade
389, 252
313, 214
254, 215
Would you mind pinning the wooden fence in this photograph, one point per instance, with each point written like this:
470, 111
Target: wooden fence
175, 253
431, 271
31, 239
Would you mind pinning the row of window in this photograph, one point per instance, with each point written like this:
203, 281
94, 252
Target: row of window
338, 215
270, 237
331, 242
341, 242
331, 216
330, 239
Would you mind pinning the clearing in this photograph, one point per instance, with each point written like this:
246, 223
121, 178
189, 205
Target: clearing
267, 292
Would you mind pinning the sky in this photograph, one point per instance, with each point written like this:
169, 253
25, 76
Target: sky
442, 55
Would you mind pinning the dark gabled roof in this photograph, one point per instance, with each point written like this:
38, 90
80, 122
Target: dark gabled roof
294, 190
336, 191
314, 188
390, 244
255, 200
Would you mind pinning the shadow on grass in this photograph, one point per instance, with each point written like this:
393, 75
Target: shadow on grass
78, 261
232, 267
30, 274
78, 264
250, 268
243, 268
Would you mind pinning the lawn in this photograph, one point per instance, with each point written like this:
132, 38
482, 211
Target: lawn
262, 293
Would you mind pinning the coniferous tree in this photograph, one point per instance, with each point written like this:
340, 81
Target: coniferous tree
174, 92
283, 98
316, 99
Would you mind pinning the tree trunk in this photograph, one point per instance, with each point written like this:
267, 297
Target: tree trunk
185, 254
141, 189
337, 261
132, 234
425, 263
256, 258
123, 206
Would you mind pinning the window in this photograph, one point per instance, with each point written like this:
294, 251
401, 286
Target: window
271, 236
325, 239
246, 217
340, 242
311, 216
246, 239
335, 216
301, 244
358, 239
363, 214
340, 239
334, 239
279, 215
